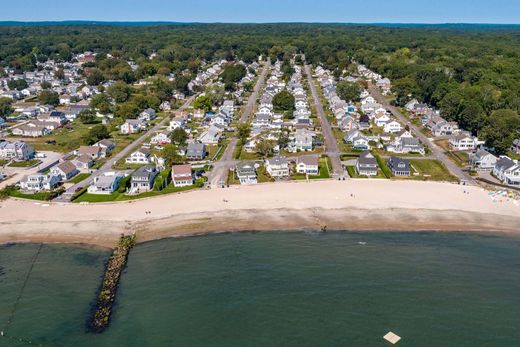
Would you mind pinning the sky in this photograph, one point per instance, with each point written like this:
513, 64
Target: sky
239, 11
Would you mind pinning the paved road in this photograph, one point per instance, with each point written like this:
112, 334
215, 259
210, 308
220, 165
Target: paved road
437, 152
67, 196
221, 168
331, 144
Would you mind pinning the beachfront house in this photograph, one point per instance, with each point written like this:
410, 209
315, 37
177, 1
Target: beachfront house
308, 165
105, 184
143, 179
366, 164
507, 171
182, 175
277, 167
399, 166
482, 160
39, 182
246, 173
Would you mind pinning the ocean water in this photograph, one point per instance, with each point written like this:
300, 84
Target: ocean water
271, 289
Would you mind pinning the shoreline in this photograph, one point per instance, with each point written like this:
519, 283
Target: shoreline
378, 206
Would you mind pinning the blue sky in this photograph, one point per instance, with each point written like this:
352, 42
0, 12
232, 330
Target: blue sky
358, 11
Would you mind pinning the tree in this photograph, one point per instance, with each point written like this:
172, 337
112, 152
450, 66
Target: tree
203, 102
95, 77
349, 91
127, 110
243, 132
216, 93
283, 139
502, 128
48, 97
97, 133
60, 74
170, 154
5, 107
179, 136
46, 85
18, 84
120, 91
264, 147
100, 102
87, 117
283, 101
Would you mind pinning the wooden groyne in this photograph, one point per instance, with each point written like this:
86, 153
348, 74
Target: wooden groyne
106, 297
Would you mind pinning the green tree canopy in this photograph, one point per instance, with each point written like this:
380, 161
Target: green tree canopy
349, 91
203, 102
120, 91
6, 107
97, 133
283, 101
48, 97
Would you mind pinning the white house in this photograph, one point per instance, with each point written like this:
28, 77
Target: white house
147, 115
508, 171
65, 170
107, 183
277, 167
482, 160
182, 175
308, 165
246, 173
392, 127
18, 150
141, 156
39, 182
161, 138
132, 126
463, 142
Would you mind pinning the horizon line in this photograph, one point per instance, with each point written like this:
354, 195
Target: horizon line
88, 21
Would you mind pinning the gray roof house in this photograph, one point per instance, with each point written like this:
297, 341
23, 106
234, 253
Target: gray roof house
142, 179
106, 183
366, 164
483, 160
246, 172
399, 166
65, 170
196, 151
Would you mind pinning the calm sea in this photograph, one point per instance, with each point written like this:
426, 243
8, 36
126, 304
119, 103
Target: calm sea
272, 289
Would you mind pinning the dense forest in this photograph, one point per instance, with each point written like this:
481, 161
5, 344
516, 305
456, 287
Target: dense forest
472, 73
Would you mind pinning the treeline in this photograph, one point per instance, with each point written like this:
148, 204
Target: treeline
472, 73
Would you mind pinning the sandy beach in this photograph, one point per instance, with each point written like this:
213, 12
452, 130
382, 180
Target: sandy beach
361, 205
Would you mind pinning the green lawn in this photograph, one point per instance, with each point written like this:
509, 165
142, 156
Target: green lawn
42, 196
121, 196
353, 173
323, 166
431, 170
25, 163
79, 177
